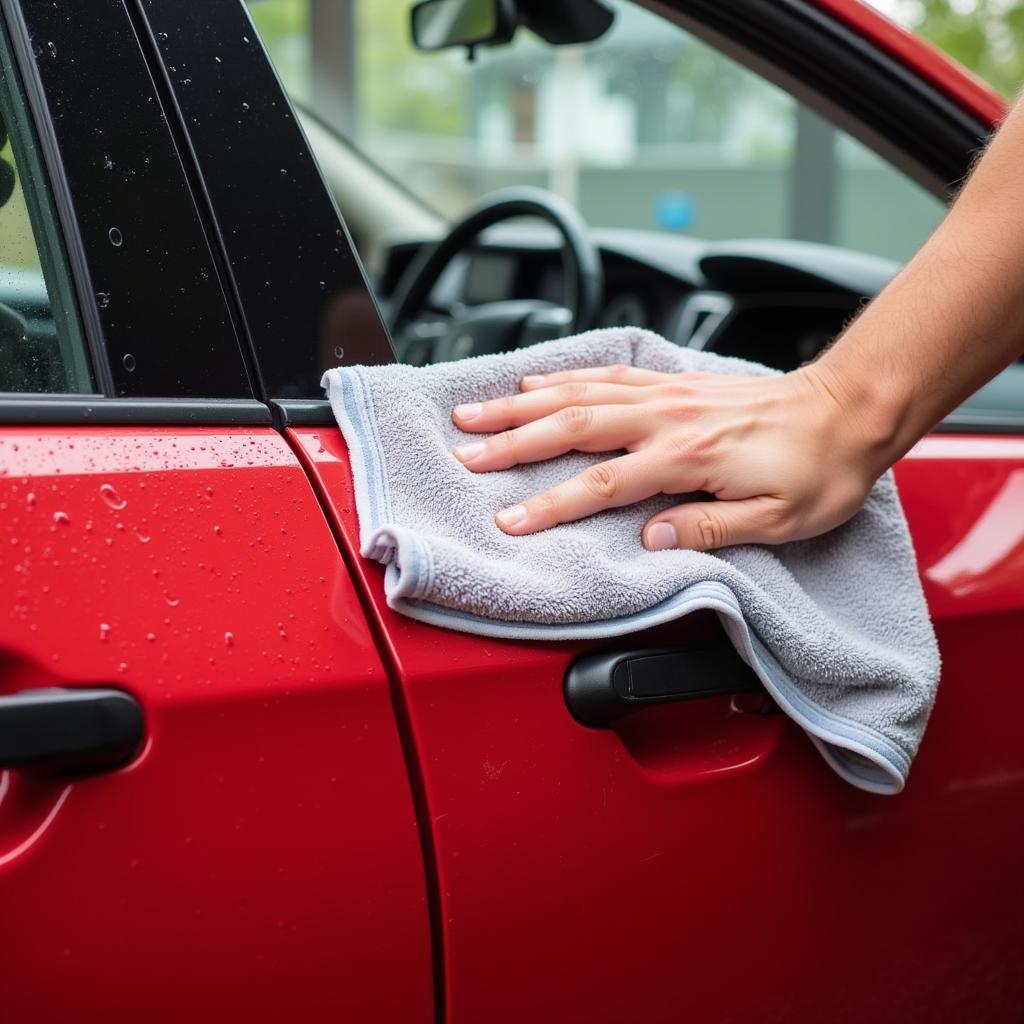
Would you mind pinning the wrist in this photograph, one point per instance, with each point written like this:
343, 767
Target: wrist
866, 413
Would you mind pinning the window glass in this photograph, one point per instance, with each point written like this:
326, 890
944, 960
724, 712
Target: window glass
41, 345
648, 127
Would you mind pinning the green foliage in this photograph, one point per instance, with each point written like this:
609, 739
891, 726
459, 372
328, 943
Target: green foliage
400, 89
986, 36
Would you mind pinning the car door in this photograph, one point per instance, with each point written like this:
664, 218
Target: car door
204, 806
698, 860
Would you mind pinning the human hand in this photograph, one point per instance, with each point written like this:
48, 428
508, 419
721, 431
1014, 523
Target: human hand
782, 455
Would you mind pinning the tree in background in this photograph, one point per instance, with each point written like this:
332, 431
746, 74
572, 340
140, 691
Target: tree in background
986, 36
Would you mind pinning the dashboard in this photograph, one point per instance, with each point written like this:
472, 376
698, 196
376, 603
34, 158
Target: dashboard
775, 301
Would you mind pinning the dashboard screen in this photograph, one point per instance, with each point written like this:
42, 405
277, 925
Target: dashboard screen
489, 277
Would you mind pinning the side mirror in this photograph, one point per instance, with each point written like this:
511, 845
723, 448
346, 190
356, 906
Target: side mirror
439, 24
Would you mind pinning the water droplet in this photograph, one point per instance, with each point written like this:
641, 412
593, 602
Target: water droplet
339, 352
151, 637
115, 236
128, 362
103, 299
217, 530
123, 666
209, 492
30, 498
245, 106
61, 518
108, 164
284, 173
111, 497
52, 47
104, 632
173, 601
229, 639
144, 538
218, 60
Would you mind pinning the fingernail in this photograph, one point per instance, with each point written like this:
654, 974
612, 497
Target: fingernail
468, 452
532, 379
469, 411
511, 516
661, 536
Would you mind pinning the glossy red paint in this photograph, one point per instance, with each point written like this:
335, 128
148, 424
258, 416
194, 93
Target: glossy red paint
260, 860
934, 66
705, 862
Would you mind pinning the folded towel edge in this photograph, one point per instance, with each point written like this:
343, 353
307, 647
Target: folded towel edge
862, 756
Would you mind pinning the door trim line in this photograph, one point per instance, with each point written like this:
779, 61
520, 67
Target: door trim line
34, 408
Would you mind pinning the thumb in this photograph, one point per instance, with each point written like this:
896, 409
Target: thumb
706, 525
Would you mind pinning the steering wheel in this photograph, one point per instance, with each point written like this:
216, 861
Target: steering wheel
461, 331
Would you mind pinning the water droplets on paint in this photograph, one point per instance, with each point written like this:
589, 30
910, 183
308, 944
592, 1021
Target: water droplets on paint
104, 632
111, 497
229, 639
52, 49
115, 236
61, 518
103, 299
128, 362
339, 352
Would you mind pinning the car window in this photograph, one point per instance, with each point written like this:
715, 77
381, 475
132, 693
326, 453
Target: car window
648, 128
41, 343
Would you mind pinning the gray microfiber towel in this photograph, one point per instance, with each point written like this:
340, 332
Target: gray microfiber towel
836, 627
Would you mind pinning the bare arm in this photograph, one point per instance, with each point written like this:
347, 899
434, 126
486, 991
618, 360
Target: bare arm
796, 455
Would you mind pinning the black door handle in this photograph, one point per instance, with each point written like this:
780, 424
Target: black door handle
600, 688
69, 731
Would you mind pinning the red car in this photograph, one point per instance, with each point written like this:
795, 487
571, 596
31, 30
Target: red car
233, 784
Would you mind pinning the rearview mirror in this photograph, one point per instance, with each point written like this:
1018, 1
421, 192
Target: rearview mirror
438, 24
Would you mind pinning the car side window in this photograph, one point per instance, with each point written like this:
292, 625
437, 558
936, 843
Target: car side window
647, 128
41, 344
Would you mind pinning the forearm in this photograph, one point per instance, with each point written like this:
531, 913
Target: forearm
950, 321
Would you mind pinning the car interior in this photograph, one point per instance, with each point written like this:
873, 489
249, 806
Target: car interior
721, 212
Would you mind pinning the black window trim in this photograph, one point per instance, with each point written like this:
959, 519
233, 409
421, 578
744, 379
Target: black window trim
99, 407
37, 408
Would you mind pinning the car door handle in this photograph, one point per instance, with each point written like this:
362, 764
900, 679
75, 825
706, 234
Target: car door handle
69, 730
602, 687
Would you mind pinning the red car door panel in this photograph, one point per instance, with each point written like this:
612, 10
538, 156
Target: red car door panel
259, 860
705, 862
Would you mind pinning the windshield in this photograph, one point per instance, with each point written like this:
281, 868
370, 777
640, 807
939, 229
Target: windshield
648, 127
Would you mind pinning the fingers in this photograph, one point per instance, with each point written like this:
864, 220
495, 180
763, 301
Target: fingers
620, 373
515, 410
621, 481
707, 525
582, 428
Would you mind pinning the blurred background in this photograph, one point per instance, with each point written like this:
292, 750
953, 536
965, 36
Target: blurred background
647, 128
986, 36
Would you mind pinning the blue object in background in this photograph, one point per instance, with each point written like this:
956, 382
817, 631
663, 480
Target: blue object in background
674, 211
